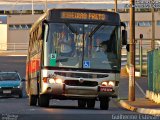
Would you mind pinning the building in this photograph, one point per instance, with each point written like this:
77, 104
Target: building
16, 21
14, 31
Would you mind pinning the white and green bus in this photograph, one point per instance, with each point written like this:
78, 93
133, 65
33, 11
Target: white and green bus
75, 54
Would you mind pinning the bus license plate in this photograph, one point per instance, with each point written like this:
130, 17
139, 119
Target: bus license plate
6, 91
105, 89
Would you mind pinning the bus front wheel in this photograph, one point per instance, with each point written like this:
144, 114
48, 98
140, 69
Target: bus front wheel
43, 101
32, 100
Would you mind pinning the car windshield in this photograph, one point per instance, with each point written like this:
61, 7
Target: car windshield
9, 77
91, 46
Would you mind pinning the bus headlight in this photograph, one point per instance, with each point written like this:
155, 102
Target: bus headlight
111, 83
59, 81
104, 83
108, 83
51, 80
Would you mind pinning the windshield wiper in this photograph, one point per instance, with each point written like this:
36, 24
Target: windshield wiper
95, 29
71, 28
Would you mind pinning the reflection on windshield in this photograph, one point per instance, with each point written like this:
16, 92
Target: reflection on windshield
92, 46
8, 76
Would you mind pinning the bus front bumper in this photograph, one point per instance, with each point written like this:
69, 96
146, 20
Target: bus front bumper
79, 91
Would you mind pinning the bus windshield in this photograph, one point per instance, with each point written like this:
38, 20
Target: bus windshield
84, 46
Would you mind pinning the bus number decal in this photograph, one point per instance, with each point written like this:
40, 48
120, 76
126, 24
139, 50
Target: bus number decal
53, 58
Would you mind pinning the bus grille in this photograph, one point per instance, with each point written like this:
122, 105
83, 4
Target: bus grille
84, 83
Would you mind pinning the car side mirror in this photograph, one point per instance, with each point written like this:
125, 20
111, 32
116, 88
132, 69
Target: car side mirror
23, 80
42, 34
43, 29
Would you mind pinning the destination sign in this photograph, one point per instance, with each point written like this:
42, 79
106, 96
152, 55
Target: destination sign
83, 16
78, 15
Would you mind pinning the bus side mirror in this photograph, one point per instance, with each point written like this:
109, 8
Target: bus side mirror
124, 37
23, 80
43, 29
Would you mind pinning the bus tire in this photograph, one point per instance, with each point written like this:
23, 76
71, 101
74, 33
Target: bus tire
43, 101
104, 103
32, 100
91, 103
81, 103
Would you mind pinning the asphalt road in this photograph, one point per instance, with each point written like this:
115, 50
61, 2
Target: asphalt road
59, 110
18, 109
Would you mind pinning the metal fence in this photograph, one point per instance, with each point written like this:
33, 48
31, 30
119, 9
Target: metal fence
142, 47
13, 46
154, 70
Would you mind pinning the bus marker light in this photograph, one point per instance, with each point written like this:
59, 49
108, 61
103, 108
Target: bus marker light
45, 79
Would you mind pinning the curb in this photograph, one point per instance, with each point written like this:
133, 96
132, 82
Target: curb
127, 106
139, 110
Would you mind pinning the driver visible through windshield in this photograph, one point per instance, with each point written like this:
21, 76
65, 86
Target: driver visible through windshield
91, 46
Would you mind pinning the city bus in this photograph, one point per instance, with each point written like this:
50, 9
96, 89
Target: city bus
75, 54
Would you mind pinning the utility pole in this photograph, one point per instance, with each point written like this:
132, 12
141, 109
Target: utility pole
32, 8
153, 28
131, 93
115, 5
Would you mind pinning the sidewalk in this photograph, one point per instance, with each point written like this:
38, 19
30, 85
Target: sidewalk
141, 104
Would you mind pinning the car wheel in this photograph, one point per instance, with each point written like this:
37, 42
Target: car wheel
43, 101
81, 103
32, 100
90, 103
104, 103
20, 95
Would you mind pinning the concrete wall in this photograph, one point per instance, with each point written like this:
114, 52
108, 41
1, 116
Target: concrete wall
146, 31
20, 36
3, 36
22, 19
